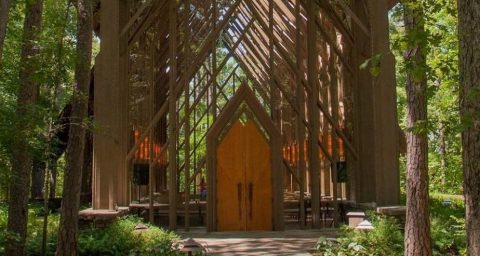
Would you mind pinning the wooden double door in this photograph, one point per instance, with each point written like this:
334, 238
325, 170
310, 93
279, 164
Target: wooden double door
244, 179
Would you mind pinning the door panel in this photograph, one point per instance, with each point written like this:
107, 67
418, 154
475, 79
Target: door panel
231, 180
259, 179
244, 185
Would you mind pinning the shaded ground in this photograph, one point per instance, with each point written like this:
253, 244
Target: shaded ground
291, 242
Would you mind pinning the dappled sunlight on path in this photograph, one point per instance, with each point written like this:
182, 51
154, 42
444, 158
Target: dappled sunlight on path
292, 242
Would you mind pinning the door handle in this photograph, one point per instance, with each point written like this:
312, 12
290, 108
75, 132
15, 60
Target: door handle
239, 193
250, 199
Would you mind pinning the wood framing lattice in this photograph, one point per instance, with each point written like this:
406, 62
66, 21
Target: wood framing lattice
184, 61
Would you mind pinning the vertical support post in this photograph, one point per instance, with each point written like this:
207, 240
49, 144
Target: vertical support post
278, 182
274, 95
214, 64
187, 113
172, 127
326, 170
151, 177
275, 110
385, 94
334, 103
124, 182
313, 112
109, 179
300, 129
195, 167
376, 108
354, 165
350, 122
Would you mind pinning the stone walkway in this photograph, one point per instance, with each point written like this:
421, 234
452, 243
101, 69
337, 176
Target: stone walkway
291, 242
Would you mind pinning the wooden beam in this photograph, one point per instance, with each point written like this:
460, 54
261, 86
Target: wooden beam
274, 93
292, 66
332, 70
331, 42
336, 20
290, 170
313, 114
151, 184
187, 116
160, 113
265, 27
147, 21
172, 127
299, 127
206, 45
135, 17
214, 63
354, 17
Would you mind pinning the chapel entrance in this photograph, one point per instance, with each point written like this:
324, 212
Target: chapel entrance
244, 179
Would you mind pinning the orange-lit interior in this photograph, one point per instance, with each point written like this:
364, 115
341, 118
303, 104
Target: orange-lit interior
291, 151
143, 151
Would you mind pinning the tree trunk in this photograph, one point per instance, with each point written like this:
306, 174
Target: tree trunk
86, 192
469, 59
443, 155
68, 230
417, 227
22, 154
38, 179
88, 151
4, 10
53, 181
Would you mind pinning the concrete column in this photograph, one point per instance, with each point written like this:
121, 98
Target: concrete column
109, 142
377, 179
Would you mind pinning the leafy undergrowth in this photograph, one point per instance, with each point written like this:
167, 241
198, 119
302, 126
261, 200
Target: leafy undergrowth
120, 238
385, 239
3, 227
448, 224
447, 230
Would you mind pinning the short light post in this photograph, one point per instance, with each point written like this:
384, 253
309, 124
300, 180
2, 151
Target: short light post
190, 246
365, 226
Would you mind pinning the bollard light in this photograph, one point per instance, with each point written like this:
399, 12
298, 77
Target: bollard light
190, 246
364, 226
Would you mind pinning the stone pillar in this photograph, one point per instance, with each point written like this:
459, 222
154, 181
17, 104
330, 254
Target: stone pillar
109, 148
388, 148
377, 179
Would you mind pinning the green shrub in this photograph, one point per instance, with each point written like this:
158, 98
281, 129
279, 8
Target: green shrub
3, 227
120, 238
448, 236
385, 239
439, 210
447, 224
35, 233
447, 231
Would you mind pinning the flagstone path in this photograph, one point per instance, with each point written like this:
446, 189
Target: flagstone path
291, 242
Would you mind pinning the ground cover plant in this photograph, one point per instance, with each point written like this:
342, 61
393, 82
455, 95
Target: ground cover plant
120, 238
447, 229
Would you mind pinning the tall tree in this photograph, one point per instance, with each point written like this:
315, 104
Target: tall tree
68, 230
22, 153
417, 227
469, 59
4, 10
